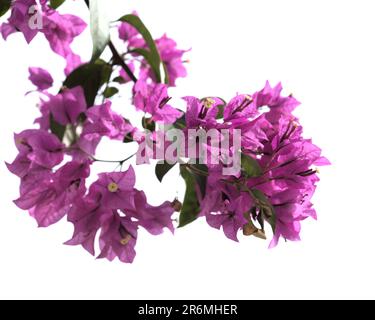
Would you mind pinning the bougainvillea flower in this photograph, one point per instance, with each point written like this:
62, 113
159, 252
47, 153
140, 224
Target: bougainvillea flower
85, 147
60, 31
118, 228
289, 178
19, 20
279, 105
286, 176
202, 113
239, 108
41, 78
225, 207
86, 215
39, 147
67, 106
118, 234
172, 58
118, 238
153, 99
254, 133
153, 219
102, 121
51, 197
126, 32
116, 189
73, 61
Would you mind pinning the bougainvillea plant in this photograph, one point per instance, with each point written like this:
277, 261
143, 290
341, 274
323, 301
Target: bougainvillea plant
245, 162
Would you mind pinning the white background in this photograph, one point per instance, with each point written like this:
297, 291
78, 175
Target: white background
324, 53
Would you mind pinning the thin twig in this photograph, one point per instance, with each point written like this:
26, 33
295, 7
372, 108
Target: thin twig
120, 162
118, 60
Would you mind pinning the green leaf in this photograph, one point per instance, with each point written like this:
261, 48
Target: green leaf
154, 63
270, 216
263, 199
4, 6
110, 92
56, 128
148, 124
128, 138
91, 77
119, 80
220, 114
180, 123
190, 207
166, 74
54, 4
266, 208
152, 55
250, 166
193, 176
162, 168
200, 175
99, 26
150, 60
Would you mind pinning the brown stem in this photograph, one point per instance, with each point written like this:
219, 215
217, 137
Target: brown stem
118, 60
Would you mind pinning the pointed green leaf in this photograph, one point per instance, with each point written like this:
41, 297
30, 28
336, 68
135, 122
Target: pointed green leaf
162, 168
250, 166
166, 74
190, 206
54, 4
110, 92
4, 6
266, 208
220, 114
99, 26
150, 60
148, 124
91, 77
128, 138
119, 80
180, 123
151, 55
200, 175
193, 177
56, 128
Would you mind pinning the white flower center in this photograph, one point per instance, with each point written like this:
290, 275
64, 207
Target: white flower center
113, 187
126, 240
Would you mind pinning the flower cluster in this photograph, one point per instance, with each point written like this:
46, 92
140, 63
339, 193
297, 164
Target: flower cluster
32, 17
278, 167
283, 176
